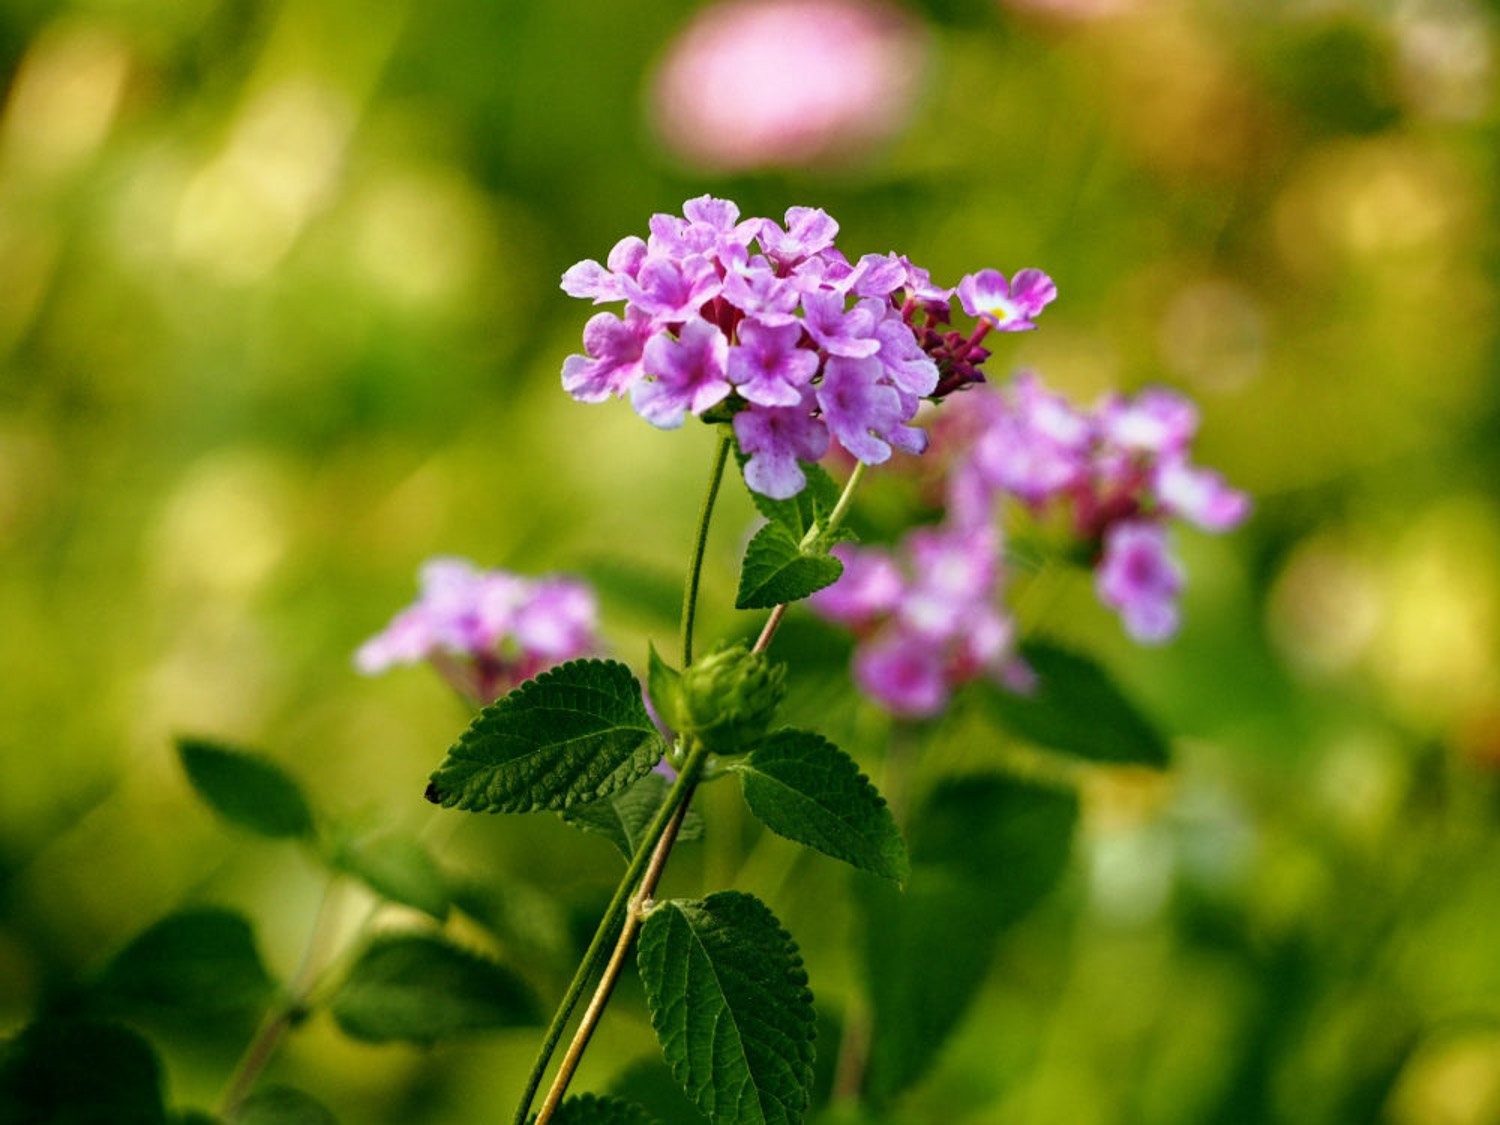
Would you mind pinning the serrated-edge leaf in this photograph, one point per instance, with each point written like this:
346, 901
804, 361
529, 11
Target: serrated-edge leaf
579, 732
397, 868
776, 570
805, 788
797, 514
420, 987
1077, 708
623, 818
594, 1109
246, 788
729, 1002
198, 960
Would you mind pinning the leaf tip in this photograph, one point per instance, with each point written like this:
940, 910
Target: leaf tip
433, 793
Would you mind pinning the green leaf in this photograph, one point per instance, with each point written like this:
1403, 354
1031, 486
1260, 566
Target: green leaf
576, 733
801, 512
419, 987
589, 1109
926, 952
67, 1072
282, 1105
985, 850
664, 685
623, 818
777, 570
803, 787
246, 788
196, 961
1076, 708
731, 1008
397, 868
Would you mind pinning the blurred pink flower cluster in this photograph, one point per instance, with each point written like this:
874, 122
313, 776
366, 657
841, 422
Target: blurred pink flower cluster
930, 615
927, 614
759, 83
486, 630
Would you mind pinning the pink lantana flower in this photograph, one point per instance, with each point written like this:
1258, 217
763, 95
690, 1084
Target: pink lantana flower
685, 374
1138, 577
928, 622
760, 83
1008, 306
728, 318
486, 631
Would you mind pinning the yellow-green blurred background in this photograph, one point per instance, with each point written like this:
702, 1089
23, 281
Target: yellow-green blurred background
279, 319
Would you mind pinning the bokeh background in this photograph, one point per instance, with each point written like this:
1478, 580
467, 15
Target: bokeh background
279, 319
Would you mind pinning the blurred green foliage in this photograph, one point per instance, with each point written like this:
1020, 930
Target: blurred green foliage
279, 319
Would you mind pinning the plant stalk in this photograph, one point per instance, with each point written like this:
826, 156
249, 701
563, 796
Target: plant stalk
634, 916
280, 1019
651, 858
695, 569
835, 518
659, 829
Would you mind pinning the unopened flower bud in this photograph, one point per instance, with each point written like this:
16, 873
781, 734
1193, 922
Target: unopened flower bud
729, 698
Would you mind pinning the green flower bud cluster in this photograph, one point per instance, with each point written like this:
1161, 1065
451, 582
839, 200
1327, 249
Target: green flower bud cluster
727, 699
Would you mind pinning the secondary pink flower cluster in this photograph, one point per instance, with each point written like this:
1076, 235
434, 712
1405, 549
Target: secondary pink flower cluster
927, 616
1119, 472
486, 630
774, 327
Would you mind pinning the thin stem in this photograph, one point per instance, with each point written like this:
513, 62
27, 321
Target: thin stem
841, 509
650, 859
639, 902
835, 518
285, 1015
676, 798
773, 623
690, 591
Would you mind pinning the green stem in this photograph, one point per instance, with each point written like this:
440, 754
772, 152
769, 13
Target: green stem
613, 915
635, 914
840, 509
835, 518
676, 797
690, 591
280, 1019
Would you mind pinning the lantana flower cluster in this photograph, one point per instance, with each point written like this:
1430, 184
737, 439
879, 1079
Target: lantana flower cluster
927, 615
1118, 473
486, 630
770, 325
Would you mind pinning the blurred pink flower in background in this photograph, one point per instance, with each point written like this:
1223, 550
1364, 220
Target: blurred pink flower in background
1078, 9
756, 83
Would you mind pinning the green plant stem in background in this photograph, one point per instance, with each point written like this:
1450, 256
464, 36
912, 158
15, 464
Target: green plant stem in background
695, 569
287, 1012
